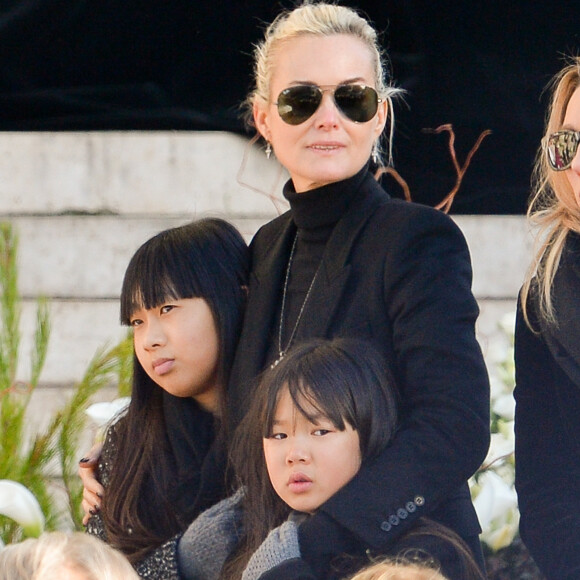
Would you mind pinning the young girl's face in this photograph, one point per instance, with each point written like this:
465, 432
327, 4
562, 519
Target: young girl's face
309, 461
178, 346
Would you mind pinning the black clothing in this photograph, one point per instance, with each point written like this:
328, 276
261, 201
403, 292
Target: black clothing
198, 480
547, 425
399, 275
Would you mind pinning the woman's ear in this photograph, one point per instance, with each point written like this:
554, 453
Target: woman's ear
262, 119
382, 117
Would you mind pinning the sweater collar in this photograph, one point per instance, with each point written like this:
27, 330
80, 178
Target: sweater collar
323, 206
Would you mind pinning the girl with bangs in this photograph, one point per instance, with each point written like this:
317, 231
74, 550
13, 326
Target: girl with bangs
325, 410
162, 462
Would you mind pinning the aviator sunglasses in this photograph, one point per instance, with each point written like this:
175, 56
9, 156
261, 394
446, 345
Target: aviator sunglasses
297, 104
561, 149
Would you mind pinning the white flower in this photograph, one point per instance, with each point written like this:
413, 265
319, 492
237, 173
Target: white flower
496, 507
504, 406
493, 486
19, 504
102, 413
503, 535
502, 444
497, 386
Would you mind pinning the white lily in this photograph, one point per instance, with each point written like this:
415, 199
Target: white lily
18, 503
496, 507
102, 413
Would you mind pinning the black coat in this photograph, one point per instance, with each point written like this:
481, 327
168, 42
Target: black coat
397, 274
548, 425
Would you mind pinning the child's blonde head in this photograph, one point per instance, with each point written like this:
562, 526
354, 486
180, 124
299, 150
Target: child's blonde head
62, 556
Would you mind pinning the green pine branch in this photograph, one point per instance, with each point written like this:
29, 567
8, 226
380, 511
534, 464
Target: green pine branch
33, 459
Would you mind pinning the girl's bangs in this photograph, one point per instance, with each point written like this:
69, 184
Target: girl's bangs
153, 283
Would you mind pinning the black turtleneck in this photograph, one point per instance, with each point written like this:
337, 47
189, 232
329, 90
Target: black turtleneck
315, 213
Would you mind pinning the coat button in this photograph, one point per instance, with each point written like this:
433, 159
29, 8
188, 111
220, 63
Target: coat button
394, 520
419, 500
402, 513
385, 526
410, 506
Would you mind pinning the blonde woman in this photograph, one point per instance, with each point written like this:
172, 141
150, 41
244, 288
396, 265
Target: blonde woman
348, 260
547, 348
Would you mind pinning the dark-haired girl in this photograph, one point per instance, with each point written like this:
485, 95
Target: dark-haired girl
183, 295
325, 410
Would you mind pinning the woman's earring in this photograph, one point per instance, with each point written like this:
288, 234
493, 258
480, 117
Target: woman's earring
268, 149
375, 154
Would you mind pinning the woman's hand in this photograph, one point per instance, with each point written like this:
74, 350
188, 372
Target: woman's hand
93, 491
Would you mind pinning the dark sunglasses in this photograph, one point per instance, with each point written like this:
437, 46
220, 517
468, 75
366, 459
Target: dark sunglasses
561, 149
358, 103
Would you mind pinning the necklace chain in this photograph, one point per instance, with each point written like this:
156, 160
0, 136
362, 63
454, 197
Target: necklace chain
282, 351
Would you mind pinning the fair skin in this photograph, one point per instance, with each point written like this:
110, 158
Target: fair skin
328, 147
572, 121
177, 345
309, 461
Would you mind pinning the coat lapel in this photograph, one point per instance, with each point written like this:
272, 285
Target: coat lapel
254, 343
265, 284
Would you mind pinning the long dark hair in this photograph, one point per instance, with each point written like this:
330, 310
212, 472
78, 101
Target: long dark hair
343, 379
205, 259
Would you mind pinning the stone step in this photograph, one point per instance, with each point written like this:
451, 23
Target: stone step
86, 256
135, 173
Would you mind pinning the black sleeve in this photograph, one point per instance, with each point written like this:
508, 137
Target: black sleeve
445, 394
547, 428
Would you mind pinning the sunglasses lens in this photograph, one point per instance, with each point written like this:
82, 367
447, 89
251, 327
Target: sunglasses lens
561, 149
297, 104
357, 102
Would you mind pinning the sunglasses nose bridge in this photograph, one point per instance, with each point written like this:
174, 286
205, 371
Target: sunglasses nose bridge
327, 100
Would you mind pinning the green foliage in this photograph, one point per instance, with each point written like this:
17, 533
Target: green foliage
107, 363
34, 458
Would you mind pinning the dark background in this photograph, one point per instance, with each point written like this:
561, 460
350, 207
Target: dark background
185, 65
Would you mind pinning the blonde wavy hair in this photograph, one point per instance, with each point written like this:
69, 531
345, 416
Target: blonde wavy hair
399, 570
54, 554
553, 208
317, 19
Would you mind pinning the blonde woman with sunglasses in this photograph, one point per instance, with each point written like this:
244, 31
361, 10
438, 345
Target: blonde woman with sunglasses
349, 260
547, 347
